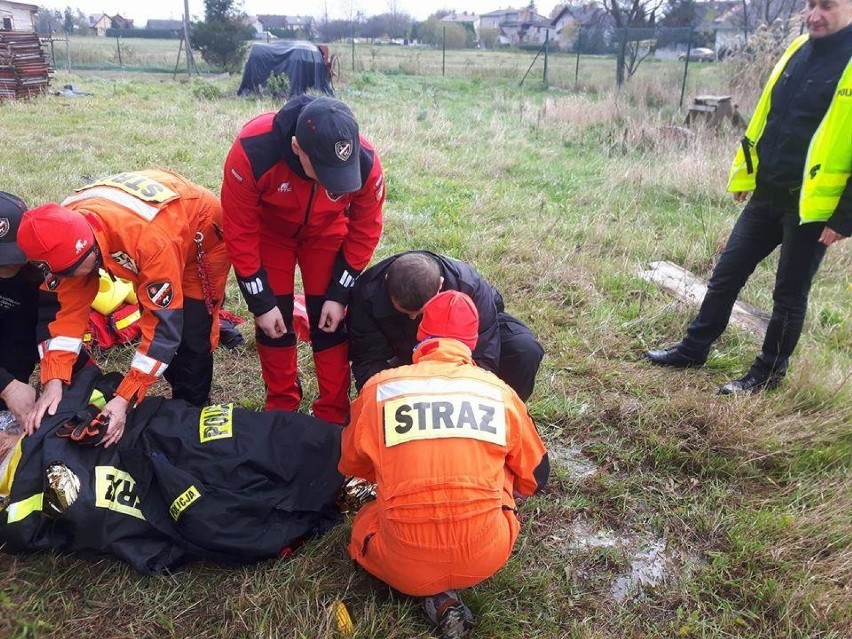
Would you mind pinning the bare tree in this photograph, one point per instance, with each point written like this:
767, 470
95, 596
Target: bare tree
400, 21
351, 11
633, 46
775, 14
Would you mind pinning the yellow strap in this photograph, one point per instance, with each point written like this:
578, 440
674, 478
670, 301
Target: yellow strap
127, 321
97, 398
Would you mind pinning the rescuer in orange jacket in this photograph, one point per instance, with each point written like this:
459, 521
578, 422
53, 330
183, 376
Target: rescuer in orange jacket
302, 187
157, 230
448, 445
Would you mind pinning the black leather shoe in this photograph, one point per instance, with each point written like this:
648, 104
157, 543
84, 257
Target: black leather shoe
749, 384
672, 357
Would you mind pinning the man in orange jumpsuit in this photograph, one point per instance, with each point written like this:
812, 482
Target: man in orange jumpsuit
449, 445
157, 230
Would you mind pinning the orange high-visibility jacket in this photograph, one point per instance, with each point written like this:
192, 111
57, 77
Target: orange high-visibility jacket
145, 225
446, 443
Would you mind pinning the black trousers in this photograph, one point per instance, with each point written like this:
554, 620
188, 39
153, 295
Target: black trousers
770, 219
520, 355
191, 370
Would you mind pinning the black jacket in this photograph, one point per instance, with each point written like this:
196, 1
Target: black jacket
380, 337
177, 489
18, 319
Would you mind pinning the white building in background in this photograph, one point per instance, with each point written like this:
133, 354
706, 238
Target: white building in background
464, 19
517, 26
17, 16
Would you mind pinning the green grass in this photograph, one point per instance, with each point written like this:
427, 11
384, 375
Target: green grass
558, 198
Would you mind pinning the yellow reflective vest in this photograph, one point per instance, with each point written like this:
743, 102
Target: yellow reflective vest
828, 164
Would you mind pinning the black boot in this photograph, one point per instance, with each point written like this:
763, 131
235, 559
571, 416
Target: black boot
674, 357
751, 383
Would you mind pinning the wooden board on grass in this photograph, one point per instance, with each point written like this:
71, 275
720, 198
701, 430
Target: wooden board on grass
691, 289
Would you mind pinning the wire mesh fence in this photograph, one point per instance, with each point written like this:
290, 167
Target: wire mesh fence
120, 54
586, 60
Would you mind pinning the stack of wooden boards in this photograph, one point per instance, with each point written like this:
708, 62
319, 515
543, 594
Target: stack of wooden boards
24, 71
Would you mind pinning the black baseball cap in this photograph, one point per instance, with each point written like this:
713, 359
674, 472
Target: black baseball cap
12, 209
327, 131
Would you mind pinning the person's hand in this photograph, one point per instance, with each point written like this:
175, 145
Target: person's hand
116, 411
51, 395
271, 323
331, 315
740, 196
829, 236
19, 398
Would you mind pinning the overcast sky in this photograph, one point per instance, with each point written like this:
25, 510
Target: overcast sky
141, 12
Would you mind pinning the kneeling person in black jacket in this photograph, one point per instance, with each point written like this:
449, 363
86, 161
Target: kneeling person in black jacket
19, 284
386, 304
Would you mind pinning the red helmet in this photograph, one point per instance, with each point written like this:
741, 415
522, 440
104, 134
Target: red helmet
450, 314
55, 237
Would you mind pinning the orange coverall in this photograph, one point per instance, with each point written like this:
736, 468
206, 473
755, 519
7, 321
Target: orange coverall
145, 225
446, 443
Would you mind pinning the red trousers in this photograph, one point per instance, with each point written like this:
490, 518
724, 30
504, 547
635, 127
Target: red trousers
315, 257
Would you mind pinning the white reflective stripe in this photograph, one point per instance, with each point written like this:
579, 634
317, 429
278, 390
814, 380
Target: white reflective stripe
346, 280
41, 348
252, 287
119, 197
148, 365
437, 386
70, 344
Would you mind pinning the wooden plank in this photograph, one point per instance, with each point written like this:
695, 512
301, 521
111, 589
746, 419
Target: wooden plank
691, 289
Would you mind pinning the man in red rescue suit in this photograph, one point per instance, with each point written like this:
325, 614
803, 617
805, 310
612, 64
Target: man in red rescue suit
163, 234
301, 186
449, 445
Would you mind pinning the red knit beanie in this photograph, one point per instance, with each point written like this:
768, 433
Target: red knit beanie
450, 314
55, 236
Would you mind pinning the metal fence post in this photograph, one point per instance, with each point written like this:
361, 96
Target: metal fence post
546, 42
579, 45
444, 53
686, 66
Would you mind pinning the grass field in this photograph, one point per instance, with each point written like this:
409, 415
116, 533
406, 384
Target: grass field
671, 512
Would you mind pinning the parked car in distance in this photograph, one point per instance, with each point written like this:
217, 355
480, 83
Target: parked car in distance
699, 54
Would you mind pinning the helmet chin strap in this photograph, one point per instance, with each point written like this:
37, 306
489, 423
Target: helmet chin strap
99, 260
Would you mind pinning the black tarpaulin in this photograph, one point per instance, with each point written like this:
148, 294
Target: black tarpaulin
222, 484
301, 62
